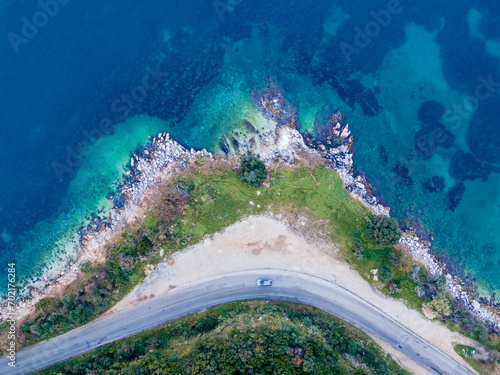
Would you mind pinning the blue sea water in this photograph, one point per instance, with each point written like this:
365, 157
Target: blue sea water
84, 84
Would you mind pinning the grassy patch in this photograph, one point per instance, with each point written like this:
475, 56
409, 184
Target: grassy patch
466, 352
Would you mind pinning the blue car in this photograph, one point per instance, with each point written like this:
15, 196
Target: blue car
264, 282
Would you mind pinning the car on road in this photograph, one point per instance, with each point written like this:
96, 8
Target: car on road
264, 282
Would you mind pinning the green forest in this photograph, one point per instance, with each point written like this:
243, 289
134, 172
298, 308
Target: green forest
249, 337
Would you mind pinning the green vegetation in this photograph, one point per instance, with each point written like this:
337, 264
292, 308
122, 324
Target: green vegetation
385, 273
208, 197
253, 170
483, 367
253, 337
384, 231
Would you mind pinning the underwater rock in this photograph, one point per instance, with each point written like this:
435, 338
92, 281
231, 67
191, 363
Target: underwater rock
272, 103
339, 152
333, 133
483, 134
403, 172
383, 155
429, 138
455, 194
464, 166
249, 127
430, 112
435, 184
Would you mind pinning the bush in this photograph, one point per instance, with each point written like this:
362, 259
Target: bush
385, 273
253, 170
47, 305
441, 305
357, 247
206, 324
384, 231
404, 264
87, 267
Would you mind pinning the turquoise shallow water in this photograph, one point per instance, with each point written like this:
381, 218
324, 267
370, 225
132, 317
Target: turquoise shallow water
189, 68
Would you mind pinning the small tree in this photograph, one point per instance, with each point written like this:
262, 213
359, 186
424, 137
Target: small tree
385, 273
253, 170
384, 231
440, 304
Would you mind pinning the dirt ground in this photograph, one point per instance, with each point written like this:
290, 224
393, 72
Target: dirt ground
261, 242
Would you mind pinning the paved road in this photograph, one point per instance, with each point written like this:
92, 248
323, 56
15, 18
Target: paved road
290, 286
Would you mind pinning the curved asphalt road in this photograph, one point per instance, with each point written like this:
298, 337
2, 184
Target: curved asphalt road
290, 286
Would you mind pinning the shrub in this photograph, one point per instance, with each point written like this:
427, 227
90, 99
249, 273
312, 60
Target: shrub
47, 305
87, 267
206, 324
253, 170
440, 304
167, 205
384, 231
385, 273
404, 264
357, 247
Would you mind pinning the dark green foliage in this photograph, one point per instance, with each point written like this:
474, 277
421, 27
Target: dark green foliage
206, 324
480, 332
357, 247
385, 273
144, 245
384, 231
253, 170
47, 304
267, 349
87, 267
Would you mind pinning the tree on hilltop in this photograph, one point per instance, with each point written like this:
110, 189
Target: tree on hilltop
384, 231
253, 170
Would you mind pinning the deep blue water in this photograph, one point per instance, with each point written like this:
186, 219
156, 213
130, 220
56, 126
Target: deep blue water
418, 83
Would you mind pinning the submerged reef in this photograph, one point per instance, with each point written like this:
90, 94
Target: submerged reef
430, 137
403, 172
272, 103
430, 112
483, 134
454, 195
435, 184
465, 166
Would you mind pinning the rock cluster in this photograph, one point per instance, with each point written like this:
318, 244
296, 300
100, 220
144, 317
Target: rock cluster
340, 159
146, 170
284, 146
421, 252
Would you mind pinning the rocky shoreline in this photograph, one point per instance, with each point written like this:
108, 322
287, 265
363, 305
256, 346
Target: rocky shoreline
158, 160
163, 156
420, 250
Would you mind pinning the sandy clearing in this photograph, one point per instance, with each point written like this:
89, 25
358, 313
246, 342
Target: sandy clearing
260, 242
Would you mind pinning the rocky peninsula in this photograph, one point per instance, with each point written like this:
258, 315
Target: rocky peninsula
164, 156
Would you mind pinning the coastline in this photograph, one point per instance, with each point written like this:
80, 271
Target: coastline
419, 249
158, 160
164, 156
